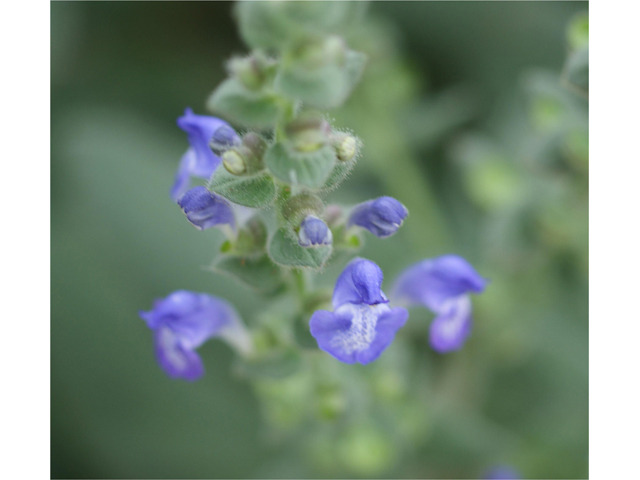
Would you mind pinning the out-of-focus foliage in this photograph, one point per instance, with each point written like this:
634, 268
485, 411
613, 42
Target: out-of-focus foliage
474, 115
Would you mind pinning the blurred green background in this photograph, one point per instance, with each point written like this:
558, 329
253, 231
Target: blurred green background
464, 119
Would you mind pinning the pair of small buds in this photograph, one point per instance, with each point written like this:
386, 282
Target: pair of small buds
382, 217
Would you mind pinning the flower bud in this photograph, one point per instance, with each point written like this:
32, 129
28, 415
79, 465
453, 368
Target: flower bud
224, 137
314, 232
246, 158
205, 209
233, 162
346, 146
382, 216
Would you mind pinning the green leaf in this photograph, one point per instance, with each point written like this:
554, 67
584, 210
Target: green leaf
257, 191
278, 364
326, 86
284, 250
305, 168
236, 103
339, 173
275, 24
259, 273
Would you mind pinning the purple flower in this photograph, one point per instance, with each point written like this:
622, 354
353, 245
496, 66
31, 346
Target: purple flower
502, 472
442, 284
185, 320
382, 216
205, 209
361, 325
314, 232
204, 133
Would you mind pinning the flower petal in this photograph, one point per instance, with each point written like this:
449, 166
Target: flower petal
176, 360
382, 216
358, 283
434, 281
193, 317
357, 333
387, 326
183, 175
205, 209
452, 326
202, 132
314, 232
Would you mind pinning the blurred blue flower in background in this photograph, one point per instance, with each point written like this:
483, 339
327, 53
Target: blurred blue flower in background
502, 472
442, 284
381, 216
205, 209
361, 325
183, 321
314, 232
204, 133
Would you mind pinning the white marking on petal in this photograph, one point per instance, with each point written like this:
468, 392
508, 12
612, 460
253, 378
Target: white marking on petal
456, 311
168, 344
362, 331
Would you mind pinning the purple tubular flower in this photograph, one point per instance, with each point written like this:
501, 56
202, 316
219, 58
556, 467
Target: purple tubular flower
204, 133
382, 216
442, 284
361, 325
314, 232
205, 209
502, 473
182, 322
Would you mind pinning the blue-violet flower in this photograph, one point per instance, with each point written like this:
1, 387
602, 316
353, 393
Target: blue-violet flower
361, 325
205, 209
314, 232
204, 133
502, 472
382, 216
183, 321
442, 284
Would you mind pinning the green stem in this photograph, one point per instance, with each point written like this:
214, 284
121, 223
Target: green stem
287, 113
300, 282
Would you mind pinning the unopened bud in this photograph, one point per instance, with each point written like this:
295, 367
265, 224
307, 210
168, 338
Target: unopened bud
246, 158
314, 233
233, 162
346, 147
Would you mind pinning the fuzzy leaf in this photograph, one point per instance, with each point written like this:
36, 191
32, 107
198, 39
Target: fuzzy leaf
339, 173
323, 87
310, 169
256, 191
284, 250
236, 103
259, 273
